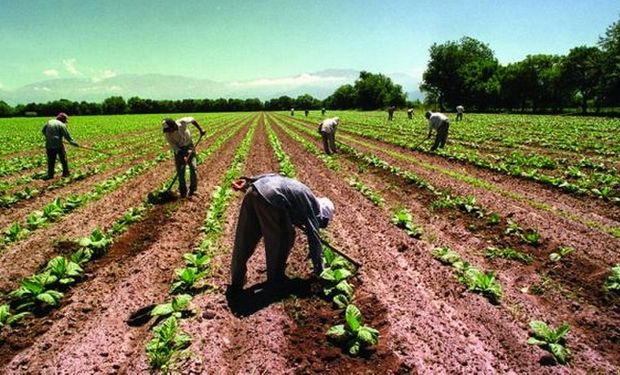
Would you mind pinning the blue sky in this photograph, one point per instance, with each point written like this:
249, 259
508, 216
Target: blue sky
248, 40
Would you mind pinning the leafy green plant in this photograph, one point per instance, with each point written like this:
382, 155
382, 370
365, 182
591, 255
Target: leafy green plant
64, 270
554, 340
180, 305
53, 210
446, 255
168, 341
484, 283
403, 219
508, 253
561, 252
198, 261
494, 219
15, 232
353, 334
187, 278
36, 220
366, 191
531, 237
613, 280
34, 289
97, 242
8, 319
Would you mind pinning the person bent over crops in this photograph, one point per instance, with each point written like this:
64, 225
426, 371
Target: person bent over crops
438, 122
327, 129
459, 112
54, 131
180, 139
272, 205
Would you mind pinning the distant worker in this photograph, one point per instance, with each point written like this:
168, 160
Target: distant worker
180, 140
459, 112
327, 129
306, 112
272, 205
323, 111
54, 131
391, 112
438, 122
292, 111
410, 113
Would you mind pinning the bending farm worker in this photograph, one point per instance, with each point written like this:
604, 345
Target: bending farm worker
459, 112
306, 112
438, 122
410, 113
54, 131
327, 129
391, 110
180, 139
323, 111
272, 205
292, 111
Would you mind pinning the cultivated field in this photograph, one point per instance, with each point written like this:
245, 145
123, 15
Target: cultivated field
517, 220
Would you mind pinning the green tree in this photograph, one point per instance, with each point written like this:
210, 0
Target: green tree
610, 46
344, 97
114, 105
582, 72
461, 72
5, 109
378, 91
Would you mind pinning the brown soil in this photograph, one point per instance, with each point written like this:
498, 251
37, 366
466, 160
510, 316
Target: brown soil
428, 322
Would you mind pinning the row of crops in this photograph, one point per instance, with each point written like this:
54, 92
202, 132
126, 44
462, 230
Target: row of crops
408, 201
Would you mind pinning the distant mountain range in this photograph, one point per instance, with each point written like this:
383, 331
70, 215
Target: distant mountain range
157, 86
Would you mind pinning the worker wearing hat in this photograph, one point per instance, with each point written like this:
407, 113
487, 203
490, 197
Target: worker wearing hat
54, 131
327, 130
272, 205
180, 140
438, 122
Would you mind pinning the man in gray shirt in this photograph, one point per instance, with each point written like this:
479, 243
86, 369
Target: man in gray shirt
54, 131
272, 205
438, 122
327, 130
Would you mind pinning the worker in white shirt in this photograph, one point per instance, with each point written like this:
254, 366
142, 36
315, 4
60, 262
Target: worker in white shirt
180, 139
438, 122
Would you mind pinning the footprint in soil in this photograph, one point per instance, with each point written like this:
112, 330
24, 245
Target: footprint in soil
245, 302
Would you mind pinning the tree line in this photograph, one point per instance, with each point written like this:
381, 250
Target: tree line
370, 91
466, 72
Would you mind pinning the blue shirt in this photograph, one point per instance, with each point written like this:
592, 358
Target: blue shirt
299, 203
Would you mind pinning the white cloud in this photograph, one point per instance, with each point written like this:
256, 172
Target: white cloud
51, 73
115, 88
302, 79
70, 67
1, 85
105, 74
37, 88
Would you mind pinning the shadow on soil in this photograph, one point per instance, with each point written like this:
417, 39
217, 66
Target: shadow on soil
243, 303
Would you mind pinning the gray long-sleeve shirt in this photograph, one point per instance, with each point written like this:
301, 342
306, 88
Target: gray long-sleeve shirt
299, 203
54, 131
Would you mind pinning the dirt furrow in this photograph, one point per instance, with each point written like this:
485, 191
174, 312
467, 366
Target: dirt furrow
102, 342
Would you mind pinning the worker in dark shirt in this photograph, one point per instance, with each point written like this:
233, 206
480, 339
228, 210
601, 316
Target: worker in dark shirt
272, 205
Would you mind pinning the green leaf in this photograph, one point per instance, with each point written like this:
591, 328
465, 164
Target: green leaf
341, 301
162, 310
554, 257
535, 341
541, 330
13, 319
51, 297
560, 352
181, 302
353, 317
337, 331
368, 335
354, 347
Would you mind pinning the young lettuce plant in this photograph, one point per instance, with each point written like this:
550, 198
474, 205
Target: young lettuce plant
187, 278
336, 272
353, 334
34, 290
8, 319
446, 255
64, 270
561, 253
478, 281
554, 340
198, 261
35, 220
179, 306
613, 280
98, 242
167, 342
403, 219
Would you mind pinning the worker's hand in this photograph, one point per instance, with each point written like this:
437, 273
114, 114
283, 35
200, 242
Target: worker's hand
240, 184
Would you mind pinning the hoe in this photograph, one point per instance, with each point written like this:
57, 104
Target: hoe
162, 197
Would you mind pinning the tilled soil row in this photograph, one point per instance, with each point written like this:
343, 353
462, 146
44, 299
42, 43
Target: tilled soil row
587, 208
435, 327
448, 233
594, 328
99, 341
563, 231
79, 223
